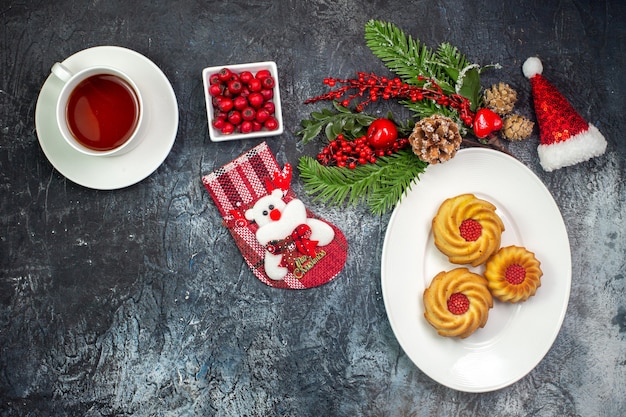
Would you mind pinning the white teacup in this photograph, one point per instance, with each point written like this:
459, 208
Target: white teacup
99, 110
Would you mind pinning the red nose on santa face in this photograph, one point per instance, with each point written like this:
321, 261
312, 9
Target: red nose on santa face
275, 214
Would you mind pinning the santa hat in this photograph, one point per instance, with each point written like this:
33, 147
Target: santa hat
566, 138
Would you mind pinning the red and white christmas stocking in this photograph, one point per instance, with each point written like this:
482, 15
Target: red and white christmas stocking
283, 242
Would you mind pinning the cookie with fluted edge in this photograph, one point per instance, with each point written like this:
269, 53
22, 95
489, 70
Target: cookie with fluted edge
467, 229
513, 274
457, 302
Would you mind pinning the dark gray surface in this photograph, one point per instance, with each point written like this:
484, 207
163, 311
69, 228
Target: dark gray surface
137, 301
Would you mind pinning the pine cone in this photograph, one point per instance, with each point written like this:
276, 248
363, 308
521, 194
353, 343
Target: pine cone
516, 127
435, 139
500, 98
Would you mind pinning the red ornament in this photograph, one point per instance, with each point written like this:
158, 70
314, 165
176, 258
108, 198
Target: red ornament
486, 122
382, 133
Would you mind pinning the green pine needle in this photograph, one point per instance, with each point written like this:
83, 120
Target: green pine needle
381, 185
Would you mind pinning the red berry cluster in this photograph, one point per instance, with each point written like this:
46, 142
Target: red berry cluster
371, 87
350, 153
242, 102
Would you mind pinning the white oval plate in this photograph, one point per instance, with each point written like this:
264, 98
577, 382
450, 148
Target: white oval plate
516, 337
160, 113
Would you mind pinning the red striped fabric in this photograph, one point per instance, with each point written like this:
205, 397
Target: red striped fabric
235, 187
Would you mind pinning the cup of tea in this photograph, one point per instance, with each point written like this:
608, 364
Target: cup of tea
99, 110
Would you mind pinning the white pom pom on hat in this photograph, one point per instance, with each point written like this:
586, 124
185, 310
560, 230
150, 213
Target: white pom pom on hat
566, 138
532, 66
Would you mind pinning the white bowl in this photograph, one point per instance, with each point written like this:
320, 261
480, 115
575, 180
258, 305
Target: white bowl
215, 134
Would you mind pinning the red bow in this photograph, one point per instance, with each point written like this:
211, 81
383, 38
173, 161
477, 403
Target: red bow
298, 241
301, 237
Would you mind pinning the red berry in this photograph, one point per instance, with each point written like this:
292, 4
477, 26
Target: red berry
269, 106
228, 128
245, 77
256, 100
224, 74
256, 125
218, 123
458, 303
245, 127
234, 117
235, 87
268, 82
225, 104
221, 115
267, 94
262, 74
245, 91
255, 85
271, 123
515, 274
214, 79
240, 103
470, 230
262, 115
248, 113
215, 90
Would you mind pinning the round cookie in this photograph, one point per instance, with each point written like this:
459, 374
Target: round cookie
513, 274
467, 229
457, 302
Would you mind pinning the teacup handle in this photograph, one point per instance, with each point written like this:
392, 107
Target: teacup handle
61, 72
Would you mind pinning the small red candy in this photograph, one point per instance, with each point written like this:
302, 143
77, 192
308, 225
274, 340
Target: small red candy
515, 274
458, 303
486, 121
470, 230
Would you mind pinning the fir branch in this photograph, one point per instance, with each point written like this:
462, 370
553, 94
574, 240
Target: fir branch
341, 121
423, 109
427, 109
451, 58
381, 185
405, 56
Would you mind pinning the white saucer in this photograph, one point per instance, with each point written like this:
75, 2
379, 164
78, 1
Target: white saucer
160, 113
